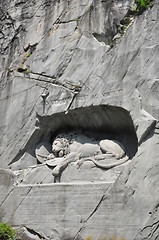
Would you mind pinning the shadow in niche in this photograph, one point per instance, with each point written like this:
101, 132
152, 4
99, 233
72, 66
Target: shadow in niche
29, 147
102, 122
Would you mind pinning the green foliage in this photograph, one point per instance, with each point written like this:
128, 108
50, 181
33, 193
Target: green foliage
6, 232
142, 5
29, 55
123, 29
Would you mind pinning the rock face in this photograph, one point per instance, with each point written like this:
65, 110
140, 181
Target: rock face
70, 72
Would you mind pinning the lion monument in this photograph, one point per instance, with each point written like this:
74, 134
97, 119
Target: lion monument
66, 151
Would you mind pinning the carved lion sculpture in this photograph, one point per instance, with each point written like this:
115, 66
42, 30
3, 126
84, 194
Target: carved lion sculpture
77, 152
60, 147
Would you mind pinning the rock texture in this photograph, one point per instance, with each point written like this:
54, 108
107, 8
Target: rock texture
68, 66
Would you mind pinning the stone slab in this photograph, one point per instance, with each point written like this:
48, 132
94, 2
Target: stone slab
53, 206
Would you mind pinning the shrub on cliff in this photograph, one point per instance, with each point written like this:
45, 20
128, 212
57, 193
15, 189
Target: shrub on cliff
6, 232
142, 5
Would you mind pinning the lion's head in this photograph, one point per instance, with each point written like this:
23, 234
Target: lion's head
60, 147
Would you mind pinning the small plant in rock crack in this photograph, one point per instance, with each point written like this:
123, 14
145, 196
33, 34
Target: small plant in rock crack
142, 5
7, 232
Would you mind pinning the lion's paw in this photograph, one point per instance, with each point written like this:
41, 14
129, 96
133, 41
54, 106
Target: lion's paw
56, 171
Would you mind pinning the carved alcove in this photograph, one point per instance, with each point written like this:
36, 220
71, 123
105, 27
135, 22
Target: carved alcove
86, 127
103, 121
93, 122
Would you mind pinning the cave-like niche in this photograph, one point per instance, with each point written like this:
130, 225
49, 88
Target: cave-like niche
86, 126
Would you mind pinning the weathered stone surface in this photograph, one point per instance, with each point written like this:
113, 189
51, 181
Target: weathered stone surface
35, 175
29, 234
43, 149
66, 65
7, 180
61, 202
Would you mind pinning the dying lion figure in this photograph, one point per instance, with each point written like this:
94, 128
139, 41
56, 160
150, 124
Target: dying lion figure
67, 152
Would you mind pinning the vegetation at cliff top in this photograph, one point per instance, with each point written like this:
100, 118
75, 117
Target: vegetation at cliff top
142, 5
6, 232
